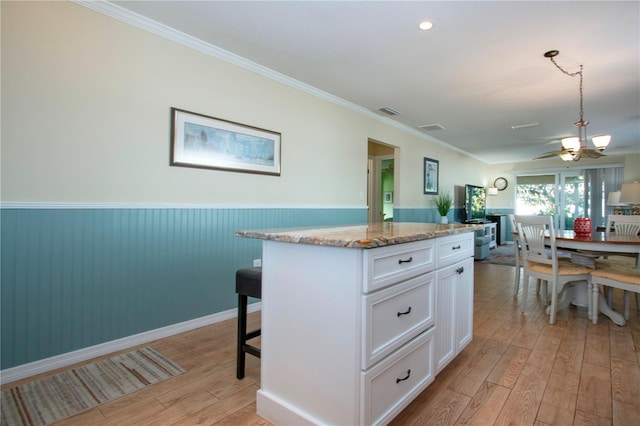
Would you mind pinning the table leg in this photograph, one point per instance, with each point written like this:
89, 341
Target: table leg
616, 317
564, 299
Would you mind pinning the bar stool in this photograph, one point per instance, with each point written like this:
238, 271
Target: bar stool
248, 284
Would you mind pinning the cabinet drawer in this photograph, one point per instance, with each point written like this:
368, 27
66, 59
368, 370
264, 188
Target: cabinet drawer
395, 315
389, 386
454, 248
388, 265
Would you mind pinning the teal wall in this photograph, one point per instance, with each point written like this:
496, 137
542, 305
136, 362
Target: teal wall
429, 215
74, 278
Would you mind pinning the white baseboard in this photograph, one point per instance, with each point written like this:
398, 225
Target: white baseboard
48, 364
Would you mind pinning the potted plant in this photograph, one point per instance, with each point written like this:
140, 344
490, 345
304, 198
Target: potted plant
443, 203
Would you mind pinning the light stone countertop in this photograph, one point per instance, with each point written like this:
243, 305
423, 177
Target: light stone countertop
361, 236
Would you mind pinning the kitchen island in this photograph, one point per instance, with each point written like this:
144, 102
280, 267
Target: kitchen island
358, 320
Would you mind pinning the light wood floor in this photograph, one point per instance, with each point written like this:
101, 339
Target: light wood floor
518, 370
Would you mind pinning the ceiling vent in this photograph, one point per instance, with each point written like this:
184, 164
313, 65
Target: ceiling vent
389, 111
431, 127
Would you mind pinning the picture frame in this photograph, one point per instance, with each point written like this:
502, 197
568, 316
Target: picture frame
388, 197
431, 176
206, 142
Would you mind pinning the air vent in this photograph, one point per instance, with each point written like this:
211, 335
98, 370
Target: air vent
431, 127
389, 111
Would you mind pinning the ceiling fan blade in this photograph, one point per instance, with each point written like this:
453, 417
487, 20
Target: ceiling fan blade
592, 153
548, 155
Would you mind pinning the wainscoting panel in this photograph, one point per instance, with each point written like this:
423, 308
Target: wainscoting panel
77, 277
426, 215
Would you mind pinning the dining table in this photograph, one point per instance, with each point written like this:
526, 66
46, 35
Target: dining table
582, 247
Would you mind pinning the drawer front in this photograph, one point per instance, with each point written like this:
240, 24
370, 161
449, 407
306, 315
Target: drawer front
395, 315
454, 248
385, 266
391, 385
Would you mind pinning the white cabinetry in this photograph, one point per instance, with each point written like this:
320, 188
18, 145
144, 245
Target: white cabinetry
490, 230
454, 297
348, 334
454, 312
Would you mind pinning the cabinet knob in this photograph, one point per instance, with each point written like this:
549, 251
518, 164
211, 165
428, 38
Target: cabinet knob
460, 270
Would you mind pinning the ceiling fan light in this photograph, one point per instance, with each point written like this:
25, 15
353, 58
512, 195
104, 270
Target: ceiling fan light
601, 142
566, 156
571, 144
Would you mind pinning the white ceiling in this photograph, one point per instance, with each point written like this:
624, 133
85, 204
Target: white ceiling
478, 72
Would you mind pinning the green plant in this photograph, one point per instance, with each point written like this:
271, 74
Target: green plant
443, 203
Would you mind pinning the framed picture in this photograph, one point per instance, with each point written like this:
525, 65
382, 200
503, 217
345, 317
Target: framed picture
388, 197
212, 143
431, 170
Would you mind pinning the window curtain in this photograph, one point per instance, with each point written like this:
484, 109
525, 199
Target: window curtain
598, 184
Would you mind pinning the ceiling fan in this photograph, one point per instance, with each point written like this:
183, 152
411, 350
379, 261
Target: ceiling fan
567, 155
574, 148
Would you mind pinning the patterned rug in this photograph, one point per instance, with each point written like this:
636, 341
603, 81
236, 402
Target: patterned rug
47, 400
501, 255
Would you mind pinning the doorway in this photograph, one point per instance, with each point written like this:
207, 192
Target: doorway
380, 182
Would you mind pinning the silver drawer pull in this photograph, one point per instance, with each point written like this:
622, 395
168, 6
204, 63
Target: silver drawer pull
400, 261
407, 312
456, 247
398, 380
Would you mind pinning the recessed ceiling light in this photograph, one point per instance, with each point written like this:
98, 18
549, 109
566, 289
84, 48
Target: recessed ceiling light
425, 25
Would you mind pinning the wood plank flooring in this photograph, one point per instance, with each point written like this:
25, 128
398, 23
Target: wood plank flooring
518, 370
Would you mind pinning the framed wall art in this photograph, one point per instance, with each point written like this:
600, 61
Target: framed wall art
431, 175
211, 143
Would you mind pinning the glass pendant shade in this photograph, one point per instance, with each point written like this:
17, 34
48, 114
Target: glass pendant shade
571, 144
601, 142
565, 156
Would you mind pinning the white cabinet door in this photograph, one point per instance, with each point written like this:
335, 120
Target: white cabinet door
464, 304
454, 311
445, 345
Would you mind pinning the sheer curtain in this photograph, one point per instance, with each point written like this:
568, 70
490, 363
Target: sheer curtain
598, 183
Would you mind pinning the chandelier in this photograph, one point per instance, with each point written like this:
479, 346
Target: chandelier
574, 148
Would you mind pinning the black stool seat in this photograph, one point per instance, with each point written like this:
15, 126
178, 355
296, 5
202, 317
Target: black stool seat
248, 284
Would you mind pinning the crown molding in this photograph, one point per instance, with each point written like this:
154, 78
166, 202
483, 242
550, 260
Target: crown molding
144, 23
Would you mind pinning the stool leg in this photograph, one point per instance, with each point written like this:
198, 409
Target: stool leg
242, 335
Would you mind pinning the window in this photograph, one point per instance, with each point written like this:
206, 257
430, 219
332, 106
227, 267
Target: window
574, 193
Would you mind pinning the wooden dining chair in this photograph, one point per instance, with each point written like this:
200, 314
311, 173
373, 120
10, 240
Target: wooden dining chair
517, 252
623, 224
541, 261
620, 225
627, 279
540, 284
